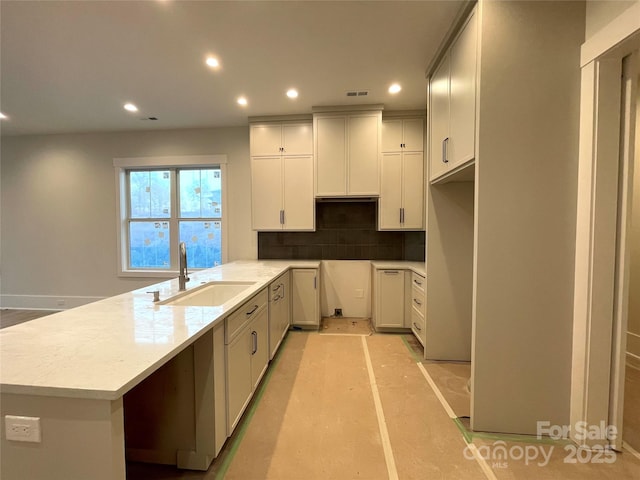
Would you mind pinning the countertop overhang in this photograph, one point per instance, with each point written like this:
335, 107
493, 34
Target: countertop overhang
103, 349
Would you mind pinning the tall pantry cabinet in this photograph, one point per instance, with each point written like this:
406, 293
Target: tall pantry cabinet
401, 204
282, 176
501, 208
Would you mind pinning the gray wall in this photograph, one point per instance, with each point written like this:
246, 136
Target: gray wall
601, 12
526, 173
58, 217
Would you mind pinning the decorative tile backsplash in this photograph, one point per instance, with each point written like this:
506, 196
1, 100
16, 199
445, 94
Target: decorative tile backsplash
344, 231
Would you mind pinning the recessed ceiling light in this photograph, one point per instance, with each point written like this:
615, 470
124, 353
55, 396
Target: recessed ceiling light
213, 62
130, 107
242, 101
3, 116
292, 93
395, 88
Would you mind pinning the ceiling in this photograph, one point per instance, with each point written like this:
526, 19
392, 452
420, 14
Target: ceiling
70, 66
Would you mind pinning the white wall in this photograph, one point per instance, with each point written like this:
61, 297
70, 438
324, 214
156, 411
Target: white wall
58, 222
601, 12
346, 284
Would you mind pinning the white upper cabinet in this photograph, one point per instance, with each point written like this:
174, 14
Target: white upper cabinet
452, 98
403, 135
282, 181
401, 204
347, 154
281, 139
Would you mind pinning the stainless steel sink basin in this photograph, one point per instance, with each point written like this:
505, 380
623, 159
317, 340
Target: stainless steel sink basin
210, 294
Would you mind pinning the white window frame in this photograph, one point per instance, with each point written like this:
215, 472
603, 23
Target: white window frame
121, 165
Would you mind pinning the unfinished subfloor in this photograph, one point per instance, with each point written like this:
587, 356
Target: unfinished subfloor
364, 405
349, 406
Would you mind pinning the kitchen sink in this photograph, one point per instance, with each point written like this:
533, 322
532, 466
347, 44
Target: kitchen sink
210, 294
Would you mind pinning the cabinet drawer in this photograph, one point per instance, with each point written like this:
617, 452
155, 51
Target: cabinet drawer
244, 314
417, 300
417, 281
418, 325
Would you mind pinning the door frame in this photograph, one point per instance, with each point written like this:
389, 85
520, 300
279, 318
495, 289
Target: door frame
603, 193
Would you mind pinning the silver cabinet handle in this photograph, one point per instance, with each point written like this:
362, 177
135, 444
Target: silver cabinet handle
282, 291
417, 327
417, 282
315, 283
445, 150
249, 313
417, 302
254, 341
402, 215
277, 287
391, 272
281, 217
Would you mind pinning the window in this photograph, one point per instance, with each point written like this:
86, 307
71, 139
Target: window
161, 206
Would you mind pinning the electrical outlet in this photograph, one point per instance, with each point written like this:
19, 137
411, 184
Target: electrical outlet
337, 312
22, 429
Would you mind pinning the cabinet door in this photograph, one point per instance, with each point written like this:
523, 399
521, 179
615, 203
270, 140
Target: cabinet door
286, 304
265, 140
413, 190
461, 146
390, 204
239, 385
304, 297
297, 139
219, 388
331, 156
390, 298
439, 128
391, 135
299, 204
259, 332
413, 135
364, 154
266, 193
275, 316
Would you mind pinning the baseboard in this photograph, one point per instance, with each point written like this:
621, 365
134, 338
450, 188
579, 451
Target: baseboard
44, 302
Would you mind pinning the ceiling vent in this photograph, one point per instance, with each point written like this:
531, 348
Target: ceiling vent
357, 93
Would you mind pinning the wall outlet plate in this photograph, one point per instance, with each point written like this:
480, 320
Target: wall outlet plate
337, 312
22, 429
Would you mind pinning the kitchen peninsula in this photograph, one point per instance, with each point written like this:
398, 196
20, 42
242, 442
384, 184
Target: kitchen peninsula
72, 370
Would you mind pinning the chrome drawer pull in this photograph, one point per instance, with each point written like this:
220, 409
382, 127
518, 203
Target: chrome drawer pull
417, 327
417, 302
255, 307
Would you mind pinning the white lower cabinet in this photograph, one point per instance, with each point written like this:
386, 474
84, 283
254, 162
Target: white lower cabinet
418, 307
279, 311
389, 298
247, 354
305, 297
399, 301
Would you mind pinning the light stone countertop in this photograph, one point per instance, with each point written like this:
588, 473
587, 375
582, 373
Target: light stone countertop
103, 349
418, 267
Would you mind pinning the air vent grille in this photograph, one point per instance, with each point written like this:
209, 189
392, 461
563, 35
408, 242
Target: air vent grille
357, 93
